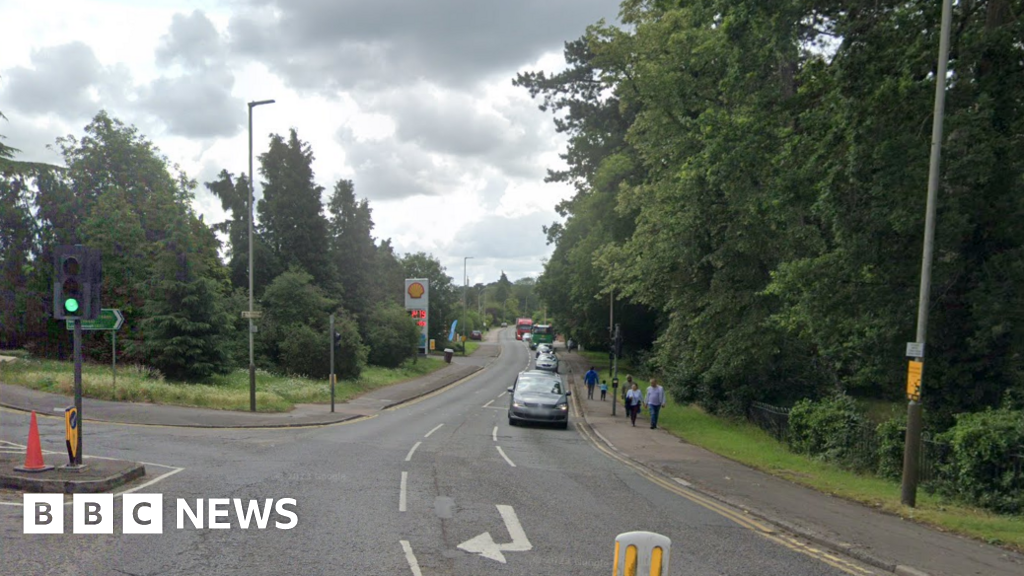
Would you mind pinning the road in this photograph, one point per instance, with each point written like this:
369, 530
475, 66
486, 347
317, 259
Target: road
398, 494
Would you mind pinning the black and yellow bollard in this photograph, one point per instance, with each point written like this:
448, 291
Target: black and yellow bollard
641, 554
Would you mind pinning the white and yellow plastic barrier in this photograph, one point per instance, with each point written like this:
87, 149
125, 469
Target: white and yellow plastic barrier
641, 554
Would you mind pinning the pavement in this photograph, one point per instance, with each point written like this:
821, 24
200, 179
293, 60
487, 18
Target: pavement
876, 538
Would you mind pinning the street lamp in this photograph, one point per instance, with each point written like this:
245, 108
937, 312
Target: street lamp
465, 288
252, 362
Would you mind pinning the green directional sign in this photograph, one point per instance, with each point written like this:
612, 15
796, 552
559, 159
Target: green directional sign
109, 319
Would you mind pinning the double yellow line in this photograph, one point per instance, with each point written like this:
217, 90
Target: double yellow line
740, 518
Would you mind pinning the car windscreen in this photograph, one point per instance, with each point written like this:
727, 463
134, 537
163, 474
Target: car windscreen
544, 386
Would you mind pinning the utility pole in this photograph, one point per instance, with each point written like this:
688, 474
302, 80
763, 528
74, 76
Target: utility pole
465, 288
915, 371
252, 327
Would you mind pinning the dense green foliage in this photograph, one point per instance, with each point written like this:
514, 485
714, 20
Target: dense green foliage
832, 429
751, 177
393, 335
986, 461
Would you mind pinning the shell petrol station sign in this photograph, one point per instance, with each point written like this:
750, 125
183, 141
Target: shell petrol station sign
417, 299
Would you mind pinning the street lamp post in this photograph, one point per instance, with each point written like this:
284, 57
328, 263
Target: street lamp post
465, 288
252, 362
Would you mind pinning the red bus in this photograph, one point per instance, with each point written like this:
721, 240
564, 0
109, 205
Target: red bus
523, 326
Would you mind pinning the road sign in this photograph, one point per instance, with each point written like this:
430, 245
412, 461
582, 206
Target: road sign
914, 370
252, 313
915, 349
109, 319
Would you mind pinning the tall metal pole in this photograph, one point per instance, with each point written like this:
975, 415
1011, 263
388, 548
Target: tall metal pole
465, 288
332, 362
912, 447
252, 362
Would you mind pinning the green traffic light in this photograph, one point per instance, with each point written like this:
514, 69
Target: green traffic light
71, 305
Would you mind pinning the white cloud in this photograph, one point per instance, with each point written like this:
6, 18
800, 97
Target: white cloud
412, 101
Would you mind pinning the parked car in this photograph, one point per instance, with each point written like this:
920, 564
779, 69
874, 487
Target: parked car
538, 396
476, 335
546, 362
544, 349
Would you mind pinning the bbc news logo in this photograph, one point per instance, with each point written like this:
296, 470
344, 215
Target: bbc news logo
144, 514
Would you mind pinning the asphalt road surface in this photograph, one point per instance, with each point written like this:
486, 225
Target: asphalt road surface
398, 494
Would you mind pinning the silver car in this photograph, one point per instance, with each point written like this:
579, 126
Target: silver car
546, 362
538, 397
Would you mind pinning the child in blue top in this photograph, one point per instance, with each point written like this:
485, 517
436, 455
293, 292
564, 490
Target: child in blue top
604, 389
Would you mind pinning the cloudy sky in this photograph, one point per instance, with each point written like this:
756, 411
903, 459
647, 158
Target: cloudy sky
410, 99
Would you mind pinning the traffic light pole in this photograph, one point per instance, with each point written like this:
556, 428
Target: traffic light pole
78, 388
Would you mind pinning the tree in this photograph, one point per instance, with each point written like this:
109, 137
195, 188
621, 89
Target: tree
290, 212
232, 194
185, 313
392, 335
352, 250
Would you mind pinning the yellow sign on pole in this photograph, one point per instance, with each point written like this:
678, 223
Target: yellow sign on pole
431, 343
914, 370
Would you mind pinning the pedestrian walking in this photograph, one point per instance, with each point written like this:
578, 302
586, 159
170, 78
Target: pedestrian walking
625, 390
633, 400
590, 378
604, 389
655, 400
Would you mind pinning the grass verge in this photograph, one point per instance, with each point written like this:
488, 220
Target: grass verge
274, 393
750, 445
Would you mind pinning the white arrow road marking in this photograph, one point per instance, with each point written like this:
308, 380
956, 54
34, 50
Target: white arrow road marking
485, 546
411, 558
507, 459
434, 429
412, 450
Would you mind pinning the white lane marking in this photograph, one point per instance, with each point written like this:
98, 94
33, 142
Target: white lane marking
151, 482
488, 403
411, 558
401, 492
494, 433
412, 450
503, 393
507, 459
432, 430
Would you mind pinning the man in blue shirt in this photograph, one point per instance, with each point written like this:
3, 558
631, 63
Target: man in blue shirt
590, 378
655, 400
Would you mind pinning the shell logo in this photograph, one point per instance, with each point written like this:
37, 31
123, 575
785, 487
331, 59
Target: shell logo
416, 290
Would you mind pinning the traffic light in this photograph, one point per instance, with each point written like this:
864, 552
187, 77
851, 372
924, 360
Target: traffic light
77, 281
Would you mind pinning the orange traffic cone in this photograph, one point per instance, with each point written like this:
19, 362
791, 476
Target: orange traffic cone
34, 451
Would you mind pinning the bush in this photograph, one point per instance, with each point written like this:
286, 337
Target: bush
891, 436
985, 449
306, 352
832, 429
392, 336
